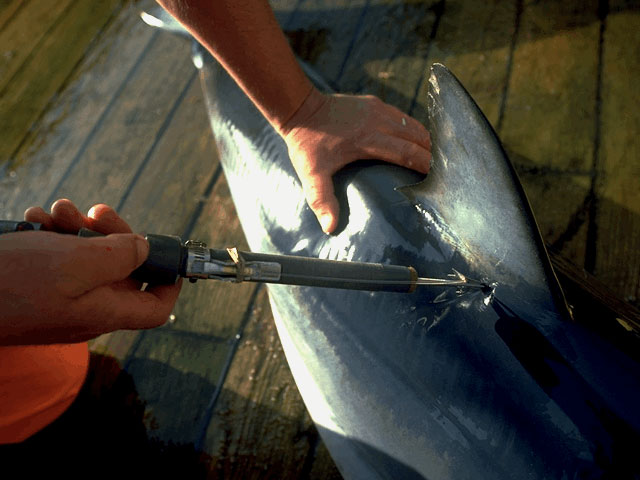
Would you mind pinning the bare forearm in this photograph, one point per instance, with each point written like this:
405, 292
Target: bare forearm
246, 39
323, 133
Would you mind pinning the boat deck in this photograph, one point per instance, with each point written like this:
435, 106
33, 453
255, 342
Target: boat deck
97, 107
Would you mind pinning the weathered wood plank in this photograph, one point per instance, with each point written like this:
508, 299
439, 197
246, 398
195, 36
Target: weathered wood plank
394, 50
166, 363
65, 129
550, 111
131, 128
165, 202
68, 126
549, 121
209, 308
323, 467
474, 41
177, 376
389, 54
213, 307
617, 260
178, 178
260, 427
560, 202
322, 33
8, 10
31, 89
174, 180
24, 32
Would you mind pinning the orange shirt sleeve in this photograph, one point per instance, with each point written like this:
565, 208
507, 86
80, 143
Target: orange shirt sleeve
37, 384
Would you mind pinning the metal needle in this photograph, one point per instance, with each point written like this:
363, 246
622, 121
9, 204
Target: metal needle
466, 282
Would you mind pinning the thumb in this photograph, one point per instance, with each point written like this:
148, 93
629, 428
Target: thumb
321, 198
101, 261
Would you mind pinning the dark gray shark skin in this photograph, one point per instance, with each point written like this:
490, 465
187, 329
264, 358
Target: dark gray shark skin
437, 384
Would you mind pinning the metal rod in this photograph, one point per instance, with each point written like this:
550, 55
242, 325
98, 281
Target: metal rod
467, 282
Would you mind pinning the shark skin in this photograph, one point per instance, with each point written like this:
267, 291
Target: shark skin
438, 384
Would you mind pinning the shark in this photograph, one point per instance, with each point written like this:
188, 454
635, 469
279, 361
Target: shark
497, 383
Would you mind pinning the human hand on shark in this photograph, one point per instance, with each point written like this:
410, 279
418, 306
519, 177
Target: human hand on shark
330, 131
323, 133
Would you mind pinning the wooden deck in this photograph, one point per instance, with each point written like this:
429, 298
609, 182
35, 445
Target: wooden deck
97, 107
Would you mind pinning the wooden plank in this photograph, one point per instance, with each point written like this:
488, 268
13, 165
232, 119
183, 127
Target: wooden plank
260, 427
166, 195
549, 121
176, 376
322, 32
173, 182
131, 128
31, 89
216, 308
560, 203
474, 41
24, 32
167, 363
69, 126
617, 260
212, 307
64, 130
208, 307
550, 111
8, 9
394, 51
323, 466
388, 57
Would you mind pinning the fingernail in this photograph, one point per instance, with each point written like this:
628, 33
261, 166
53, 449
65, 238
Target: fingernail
325, 222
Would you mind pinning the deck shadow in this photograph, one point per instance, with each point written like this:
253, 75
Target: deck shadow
108, 430
104, 430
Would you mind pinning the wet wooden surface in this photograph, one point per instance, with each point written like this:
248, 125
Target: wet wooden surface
97, 107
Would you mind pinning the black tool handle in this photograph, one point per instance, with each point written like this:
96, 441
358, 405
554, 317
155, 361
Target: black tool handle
315, 272
165, 263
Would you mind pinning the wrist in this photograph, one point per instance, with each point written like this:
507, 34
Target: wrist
313, 102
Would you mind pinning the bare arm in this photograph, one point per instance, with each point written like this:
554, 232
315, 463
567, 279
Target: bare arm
323, 133
246, 39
